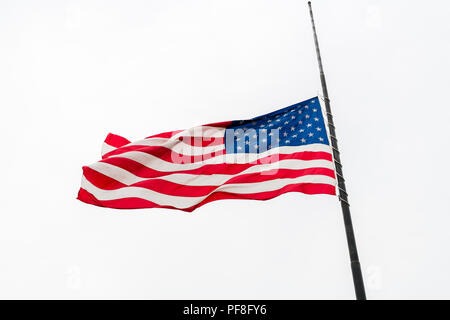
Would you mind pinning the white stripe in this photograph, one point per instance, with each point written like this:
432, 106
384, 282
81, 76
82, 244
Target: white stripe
156, 163
106, 148
180, 147
129, 178
151, 142
186, 202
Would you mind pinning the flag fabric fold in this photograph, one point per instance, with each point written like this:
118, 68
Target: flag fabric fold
261, 158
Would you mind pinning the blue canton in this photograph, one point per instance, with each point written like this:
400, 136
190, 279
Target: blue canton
296, 125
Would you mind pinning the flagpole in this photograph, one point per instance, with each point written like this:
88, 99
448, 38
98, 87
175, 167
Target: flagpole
343, 196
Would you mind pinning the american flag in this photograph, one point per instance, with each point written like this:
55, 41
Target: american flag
284, 151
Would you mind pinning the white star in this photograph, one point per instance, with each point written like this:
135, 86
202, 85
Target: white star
316, 119
294, 136
246, 142
309, 125
239, 148
306, 107
278, 120
307, 116
310, 134
271, 134
292, 110
262, 126
318, 129
313, 101
287, 141
286, 122
285, 134
271, 125
293, 117
269, 120
321, 139
300, 122
314, 110
303, 140
301, 130
292, 128
299, 111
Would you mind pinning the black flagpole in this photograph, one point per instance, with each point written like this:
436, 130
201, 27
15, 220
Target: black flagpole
343, 197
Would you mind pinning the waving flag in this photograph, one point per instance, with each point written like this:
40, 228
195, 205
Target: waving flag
284, 151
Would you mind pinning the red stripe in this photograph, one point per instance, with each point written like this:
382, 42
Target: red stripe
221, 168
100, 180
175, 189
223, 124
202, 141
145, 172
280, 174
165, 154
116, 141
137, 203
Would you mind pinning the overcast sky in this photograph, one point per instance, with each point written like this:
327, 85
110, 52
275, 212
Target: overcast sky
72, 71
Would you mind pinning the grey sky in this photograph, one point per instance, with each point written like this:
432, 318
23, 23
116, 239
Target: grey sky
72, 71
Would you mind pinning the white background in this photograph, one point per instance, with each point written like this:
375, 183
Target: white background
72, 71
